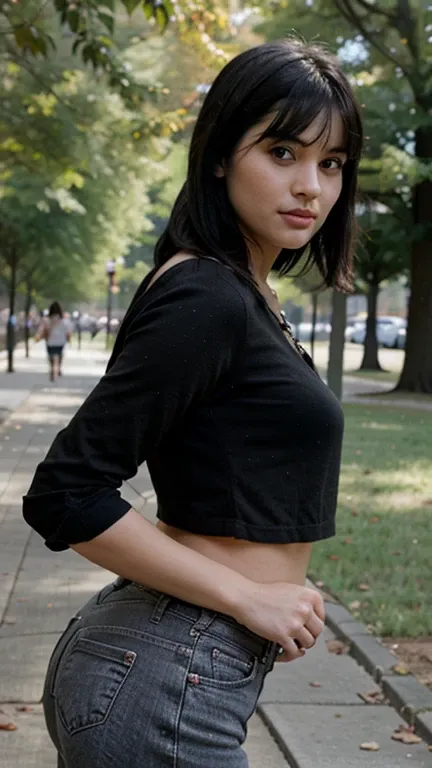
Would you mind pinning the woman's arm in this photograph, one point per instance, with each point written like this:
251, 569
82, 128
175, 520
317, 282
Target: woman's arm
137, 550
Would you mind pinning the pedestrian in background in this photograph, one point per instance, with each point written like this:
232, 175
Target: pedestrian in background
56, 333
242, 439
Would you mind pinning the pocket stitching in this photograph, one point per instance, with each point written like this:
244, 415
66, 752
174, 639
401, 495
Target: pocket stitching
127, 669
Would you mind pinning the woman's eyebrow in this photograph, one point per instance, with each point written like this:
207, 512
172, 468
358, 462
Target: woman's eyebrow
304, 144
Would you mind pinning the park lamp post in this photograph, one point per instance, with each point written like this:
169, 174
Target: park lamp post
111, 271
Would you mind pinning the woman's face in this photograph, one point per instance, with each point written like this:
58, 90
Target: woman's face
266, 181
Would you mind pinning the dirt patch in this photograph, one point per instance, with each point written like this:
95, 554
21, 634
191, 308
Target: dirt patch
416, 655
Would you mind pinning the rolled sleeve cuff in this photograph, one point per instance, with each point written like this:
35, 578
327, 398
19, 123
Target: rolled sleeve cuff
78, 519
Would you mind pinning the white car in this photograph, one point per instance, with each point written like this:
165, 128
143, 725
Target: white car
391, 332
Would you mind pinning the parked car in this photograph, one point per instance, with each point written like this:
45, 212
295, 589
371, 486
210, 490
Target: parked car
304, 330
391, 332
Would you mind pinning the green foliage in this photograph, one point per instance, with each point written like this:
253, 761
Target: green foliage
384, 248
92, 26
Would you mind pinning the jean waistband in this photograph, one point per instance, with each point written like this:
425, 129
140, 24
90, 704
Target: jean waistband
218, 624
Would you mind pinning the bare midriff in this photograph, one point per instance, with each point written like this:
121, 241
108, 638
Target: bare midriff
257, 561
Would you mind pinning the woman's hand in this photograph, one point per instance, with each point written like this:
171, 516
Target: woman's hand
288, 614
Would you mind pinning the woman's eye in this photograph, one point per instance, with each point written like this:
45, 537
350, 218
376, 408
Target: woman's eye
338, 164
281, 153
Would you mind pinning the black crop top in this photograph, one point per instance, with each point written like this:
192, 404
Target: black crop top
240, 435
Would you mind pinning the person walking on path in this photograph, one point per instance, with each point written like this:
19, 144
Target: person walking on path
164, 666
56, 333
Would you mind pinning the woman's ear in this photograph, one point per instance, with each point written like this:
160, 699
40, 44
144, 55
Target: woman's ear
219, 171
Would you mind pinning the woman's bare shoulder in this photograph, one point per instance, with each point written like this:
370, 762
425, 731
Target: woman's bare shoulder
178, 258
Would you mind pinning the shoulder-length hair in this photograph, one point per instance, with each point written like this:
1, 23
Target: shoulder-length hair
296, 83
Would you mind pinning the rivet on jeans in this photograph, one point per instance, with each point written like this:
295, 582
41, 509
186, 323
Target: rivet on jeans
192, 678
129, 657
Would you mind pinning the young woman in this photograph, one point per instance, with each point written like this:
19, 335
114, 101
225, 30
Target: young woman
56, 333
242, 439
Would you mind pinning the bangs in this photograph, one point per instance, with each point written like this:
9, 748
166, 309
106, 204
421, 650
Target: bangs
309, 102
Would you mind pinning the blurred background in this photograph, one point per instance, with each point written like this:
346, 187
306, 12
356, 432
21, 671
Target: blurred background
98, 101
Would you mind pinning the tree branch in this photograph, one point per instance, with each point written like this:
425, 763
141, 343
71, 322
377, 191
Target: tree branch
377, 10
346, 9
406, 26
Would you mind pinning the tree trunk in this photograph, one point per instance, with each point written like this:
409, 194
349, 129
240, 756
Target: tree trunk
28, 302
337, 343
11, 324
370, 360
416, 374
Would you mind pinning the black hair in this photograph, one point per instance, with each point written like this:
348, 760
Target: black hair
55, 309
297, 82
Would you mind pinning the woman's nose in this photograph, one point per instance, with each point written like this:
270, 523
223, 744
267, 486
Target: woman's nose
306, 182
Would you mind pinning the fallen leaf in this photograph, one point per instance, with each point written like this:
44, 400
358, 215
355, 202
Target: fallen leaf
374, 519
405, 735
401, 669
333, 557
370, 746
6, 724
49, 605
428, 502
315, 685
367, 471
430, 748
337, 646
355, 605
374, 697
348, 541
358, 453
24, 708
396, 552
364, 587
22, 599
355, 514
338, 715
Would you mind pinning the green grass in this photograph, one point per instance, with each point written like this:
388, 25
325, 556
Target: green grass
385, 513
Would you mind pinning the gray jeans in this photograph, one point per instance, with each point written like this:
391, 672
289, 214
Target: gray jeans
142, 680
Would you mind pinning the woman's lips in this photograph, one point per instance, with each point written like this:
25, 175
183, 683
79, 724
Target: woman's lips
298, 222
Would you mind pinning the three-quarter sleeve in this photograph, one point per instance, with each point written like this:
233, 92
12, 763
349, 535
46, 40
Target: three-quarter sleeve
182, 340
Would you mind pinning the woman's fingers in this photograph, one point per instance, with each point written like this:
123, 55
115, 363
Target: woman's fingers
290, 652
304, 638
314, 625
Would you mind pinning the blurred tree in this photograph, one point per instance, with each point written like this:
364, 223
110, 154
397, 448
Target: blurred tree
74, 190
382, 255
91, 27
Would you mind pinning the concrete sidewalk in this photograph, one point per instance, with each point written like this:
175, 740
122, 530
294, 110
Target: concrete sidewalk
312, 707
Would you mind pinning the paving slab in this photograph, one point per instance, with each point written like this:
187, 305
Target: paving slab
14, 537
23, 664
313, 736
50, 588
341, 679
29, 746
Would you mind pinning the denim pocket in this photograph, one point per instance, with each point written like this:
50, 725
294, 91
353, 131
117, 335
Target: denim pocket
222, 665
229, 668
89, 682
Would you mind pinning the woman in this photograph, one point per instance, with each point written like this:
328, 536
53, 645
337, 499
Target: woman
242, 439
56, 333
